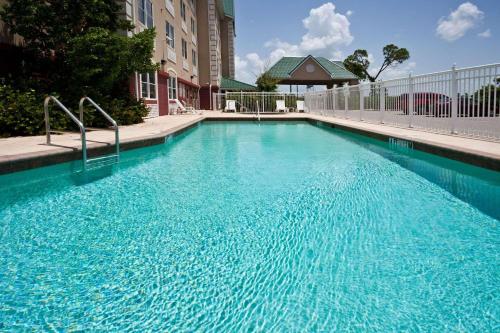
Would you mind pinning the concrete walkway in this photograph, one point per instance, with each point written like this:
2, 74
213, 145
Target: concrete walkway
21, 153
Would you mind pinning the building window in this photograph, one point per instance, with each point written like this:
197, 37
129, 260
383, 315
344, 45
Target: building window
182, 90
148, 85
184, 49
183, 11
172, 87
193, 54
169, 4
146, 13
170, 32
193, 27
129, 9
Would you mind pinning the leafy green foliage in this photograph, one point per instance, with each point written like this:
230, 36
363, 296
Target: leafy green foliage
266, 83
358, 63
46, 26
74, 49
102, 61
21, 113
124, 111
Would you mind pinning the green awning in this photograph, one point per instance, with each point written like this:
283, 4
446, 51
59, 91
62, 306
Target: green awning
234, 85
229, 8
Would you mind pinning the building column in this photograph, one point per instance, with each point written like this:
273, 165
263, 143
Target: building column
206, 97
163, 93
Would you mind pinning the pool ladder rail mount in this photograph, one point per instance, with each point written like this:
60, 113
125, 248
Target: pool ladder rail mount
87, 163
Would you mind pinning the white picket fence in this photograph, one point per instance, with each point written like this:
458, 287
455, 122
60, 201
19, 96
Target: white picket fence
253, 102
463, 102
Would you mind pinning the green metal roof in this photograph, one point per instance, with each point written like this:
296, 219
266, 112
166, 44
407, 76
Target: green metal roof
229, 8
284, 68
233, 85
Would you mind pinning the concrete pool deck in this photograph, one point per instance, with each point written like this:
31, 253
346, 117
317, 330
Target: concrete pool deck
21, 153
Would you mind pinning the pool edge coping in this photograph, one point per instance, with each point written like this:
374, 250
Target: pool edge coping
22, 162
439, 149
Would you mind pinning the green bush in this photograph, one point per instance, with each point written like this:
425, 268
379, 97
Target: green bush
21, 113
125, 112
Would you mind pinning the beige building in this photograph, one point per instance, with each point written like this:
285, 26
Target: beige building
175, 49
194, 45
216, 46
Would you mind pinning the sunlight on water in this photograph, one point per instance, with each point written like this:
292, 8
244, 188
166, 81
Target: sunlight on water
244, 227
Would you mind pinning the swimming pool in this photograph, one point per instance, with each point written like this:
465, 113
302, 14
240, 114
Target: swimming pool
246, 226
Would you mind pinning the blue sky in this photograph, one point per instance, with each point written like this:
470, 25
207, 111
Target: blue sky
437, 33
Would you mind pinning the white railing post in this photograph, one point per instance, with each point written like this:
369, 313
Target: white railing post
382, 101
330, 98
346, 99
321, 101
262, 100
362, 88
411, 101
334, 98
454, 99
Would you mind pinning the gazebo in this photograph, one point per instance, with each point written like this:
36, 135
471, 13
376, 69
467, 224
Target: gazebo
311, 71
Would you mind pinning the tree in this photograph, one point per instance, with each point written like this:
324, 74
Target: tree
47, 27
266, 83
102, 61
74, 48
358, 62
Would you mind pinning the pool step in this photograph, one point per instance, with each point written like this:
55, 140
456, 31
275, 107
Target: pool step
87, 162
97, 162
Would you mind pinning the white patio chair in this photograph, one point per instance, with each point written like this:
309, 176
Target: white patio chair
230, 106
187, 109
175, 107
300, 106
280, 106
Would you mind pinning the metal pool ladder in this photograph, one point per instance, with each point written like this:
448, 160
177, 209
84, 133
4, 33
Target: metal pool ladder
86, 162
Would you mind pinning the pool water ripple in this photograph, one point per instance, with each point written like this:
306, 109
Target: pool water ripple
248, 227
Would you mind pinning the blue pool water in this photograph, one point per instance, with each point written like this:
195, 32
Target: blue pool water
273, 227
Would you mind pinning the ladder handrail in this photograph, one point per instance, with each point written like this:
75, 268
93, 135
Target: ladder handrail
72, 116
108, 118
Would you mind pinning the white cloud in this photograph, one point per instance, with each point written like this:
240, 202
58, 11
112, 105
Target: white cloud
249, 67
464, 18
243, 72
256, 62
338, 56
326, 31
371, 58
485, 34
403, 70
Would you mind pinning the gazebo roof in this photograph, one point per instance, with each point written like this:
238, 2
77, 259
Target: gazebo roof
234, 85
286, 66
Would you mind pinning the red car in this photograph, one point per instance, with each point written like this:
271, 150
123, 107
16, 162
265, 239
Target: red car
428, 104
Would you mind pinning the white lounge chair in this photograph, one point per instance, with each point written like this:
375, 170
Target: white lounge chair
280, 106
187, 109
300, 106
230, 106
175, 107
